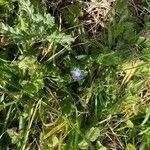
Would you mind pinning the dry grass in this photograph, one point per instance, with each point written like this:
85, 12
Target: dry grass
97, 11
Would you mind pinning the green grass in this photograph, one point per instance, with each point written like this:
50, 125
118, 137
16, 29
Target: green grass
42, 107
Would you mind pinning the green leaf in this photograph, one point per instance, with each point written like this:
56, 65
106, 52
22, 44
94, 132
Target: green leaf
32, 87
110, 36
76, 10
131, 147
118, 29
144, 146
99, 146
66, 105
83, 145
53, 141
147, 116
61, 38
130, 124
29, 20
70, 19
130, 34
15, 137
108, 59
39, 84
91, 135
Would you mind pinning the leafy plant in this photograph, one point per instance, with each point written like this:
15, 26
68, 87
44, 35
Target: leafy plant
60, 92
34, 26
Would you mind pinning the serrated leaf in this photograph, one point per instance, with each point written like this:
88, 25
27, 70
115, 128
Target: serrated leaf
29, 21
61, 38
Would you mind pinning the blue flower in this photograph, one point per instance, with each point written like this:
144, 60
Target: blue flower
77, 74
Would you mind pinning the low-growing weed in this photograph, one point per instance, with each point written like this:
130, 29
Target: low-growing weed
63, 86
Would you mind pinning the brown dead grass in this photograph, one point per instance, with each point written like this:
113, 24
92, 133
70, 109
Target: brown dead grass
97, 11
